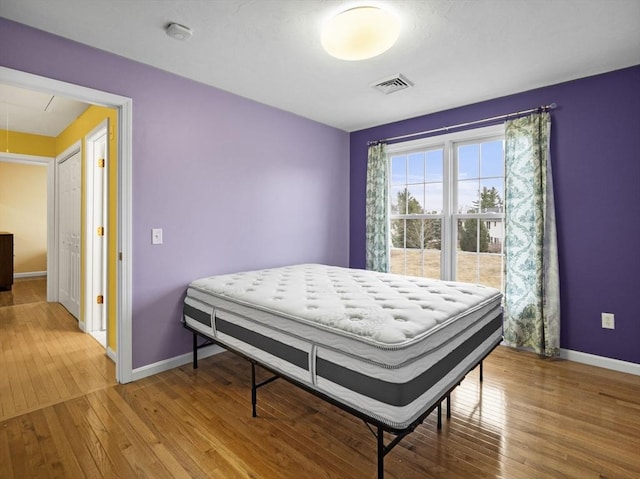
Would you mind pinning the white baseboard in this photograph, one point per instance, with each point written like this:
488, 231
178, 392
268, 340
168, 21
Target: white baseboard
31, 274
111, 354
166, 364
601, 361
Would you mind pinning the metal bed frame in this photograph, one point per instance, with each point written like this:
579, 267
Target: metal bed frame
380, 428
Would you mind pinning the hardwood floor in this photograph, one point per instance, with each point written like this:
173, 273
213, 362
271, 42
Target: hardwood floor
44, 357
529, 418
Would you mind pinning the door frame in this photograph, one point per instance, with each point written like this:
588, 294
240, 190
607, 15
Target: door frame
124, 106
96, 247
50, 163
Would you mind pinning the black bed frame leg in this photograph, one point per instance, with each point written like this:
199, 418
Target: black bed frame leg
439, 415
254, 394
381, 453
195, 351
481, 372
448, 406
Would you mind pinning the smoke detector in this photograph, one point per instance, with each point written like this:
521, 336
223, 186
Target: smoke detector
179, 32
392, 84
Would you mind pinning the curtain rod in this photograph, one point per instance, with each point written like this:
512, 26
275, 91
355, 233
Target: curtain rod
551, 106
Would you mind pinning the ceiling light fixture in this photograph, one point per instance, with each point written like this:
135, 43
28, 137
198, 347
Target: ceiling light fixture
179, 32
360, 33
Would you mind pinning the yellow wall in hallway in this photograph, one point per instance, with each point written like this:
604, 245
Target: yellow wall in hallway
27, 144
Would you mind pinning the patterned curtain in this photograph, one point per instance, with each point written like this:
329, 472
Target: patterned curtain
377, 211
532, 293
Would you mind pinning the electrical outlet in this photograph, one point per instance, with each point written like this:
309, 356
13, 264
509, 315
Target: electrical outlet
156, 236
608, 321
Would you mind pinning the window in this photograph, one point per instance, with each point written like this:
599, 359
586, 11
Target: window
446, 197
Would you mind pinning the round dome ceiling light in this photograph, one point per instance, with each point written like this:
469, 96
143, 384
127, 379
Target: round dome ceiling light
360, 33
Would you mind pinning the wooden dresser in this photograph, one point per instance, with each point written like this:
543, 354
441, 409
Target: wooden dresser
6, 261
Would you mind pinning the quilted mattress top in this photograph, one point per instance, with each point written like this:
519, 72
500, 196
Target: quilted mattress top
382, 308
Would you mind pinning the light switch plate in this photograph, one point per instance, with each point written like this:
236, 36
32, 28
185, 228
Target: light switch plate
156, 236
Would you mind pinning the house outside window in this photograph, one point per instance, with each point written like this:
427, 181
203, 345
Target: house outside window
446, 203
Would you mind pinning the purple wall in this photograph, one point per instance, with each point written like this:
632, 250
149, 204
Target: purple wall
595, 152
234, 184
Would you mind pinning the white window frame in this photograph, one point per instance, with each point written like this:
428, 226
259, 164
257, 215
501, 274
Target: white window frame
449, 216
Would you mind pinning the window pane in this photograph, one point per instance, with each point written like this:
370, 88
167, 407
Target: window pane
435, 165
397, 261
398, 200
420, 254
397, 233
467, 267
399, 170
409, 234
491, 263
415, 200
414, 237
492, 162
468, 161
431, 255
467, 251
433, 235
433, 198
479, 258
431, 264
468, 196
412, 262
495, 230
472, 236
416, 168
491, 195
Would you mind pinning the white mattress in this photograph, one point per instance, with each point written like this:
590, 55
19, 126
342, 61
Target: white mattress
386, 345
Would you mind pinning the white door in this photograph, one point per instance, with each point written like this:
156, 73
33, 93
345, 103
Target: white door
69, 184
96, 254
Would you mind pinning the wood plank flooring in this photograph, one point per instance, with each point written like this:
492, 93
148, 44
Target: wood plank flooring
529, 418
44, 357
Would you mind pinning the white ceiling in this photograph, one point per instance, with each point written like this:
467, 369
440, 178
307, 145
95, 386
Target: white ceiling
35, 112
456, 52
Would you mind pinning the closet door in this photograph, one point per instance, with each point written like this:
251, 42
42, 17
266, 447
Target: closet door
69, 190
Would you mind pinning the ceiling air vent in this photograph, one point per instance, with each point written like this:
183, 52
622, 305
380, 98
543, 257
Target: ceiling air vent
392, 84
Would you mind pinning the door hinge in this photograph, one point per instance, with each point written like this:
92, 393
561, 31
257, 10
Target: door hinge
120, 255
99, 299
100, 230
101, 163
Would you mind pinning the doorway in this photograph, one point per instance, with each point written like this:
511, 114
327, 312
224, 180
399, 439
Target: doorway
122, 260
